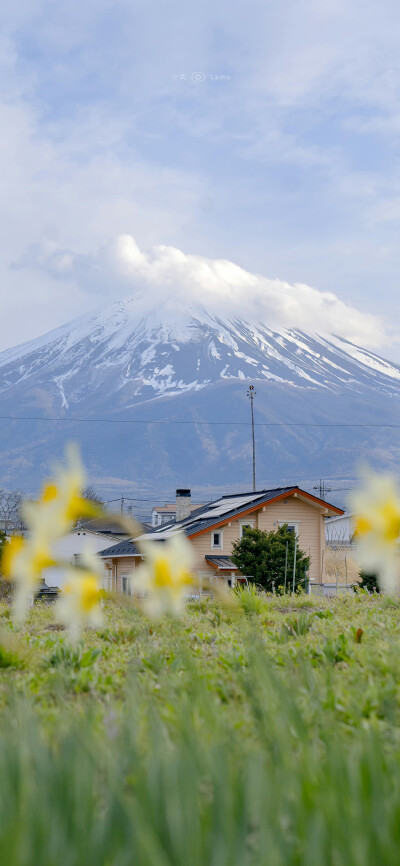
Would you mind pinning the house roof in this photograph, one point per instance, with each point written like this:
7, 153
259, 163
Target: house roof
83, 530
223, 563
346, 514
102, 526
227, 507
123, 548
218, 513
164, 508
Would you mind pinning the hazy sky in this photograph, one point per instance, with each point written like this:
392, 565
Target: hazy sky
264, 134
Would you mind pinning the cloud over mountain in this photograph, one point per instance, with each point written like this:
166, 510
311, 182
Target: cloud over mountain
225, 288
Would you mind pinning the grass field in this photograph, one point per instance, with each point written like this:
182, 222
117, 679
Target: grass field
267, 734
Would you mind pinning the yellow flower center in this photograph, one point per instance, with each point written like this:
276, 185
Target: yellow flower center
11, 550
87, 591
391, 519
165, 577
42, 559
363, 526
80, 507
385, 522
50, 492
162, 573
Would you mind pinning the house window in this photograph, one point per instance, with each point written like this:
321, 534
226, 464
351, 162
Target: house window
216, 540
126, 584
245, 524
292, 527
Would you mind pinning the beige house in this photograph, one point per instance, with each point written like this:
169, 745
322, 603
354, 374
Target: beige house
213, 528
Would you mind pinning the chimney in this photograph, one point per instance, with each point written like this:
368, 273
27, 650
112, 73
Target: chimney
183, 500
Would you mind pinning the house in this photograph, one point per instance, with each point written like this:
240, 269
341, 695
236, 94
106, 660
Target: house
91, 536
339, 530
213, 528
162, 514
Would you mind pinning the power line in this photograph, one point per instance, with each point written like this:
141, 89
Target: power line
206, 423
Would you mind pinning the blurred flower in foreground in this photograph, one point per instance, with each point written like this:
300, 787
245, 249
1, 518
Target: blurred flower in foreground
377, 528
61, 502
22, 563
80, 602
165, 574
47, 520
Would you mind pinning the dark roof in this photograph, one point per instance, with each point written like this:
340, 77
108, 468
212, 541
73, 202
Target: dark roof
223, 562
257, 498
123, 548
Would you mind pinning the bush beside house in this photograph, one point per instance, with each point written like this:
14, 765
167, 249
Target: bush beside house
265, 557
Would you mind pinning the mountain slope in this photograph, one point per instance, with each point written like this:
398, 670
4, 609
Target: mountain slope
178, 363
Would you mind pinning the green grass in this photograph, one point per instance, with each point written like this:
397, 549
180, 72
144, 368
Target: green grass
267, 734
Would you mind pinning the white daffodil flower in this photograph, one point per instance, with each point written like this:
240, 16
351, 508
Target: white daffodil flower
80, 602
165, 575
377, 528
22, 563
48, 520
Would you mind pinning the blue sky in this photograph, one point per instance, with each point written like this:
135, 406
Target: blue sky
265, 134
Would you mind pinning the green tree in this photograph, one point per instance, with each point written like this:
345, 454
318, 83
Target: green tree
369, 582
261, 557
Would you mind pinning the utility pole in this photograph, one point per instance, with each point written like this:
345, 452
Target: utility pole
122, 504
251, 393
322, 488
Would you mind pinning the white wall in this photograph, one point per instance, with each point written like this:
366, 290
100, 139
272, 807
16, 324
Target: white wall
73, 544
339, 530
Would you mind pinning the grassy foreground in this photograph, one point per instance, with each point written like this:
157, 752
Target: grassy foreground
266, 735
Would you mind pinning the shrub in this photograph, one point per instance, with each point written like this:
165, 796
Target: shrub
262, 556
369, 582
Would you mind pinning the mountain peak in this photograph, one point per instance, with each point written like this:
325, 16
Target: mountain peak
134, 350
174, 362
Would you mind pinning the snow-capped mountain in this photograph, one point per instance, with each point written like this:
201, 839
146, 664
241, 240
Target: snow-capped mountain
133, 362
131, 354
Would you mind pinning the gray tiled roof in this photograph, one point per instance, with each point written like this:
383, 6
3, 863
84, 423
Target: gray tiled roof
123, 548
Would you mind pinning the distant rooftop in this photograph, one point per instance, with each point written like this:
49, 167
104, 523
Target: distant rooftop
170, 508
103, 526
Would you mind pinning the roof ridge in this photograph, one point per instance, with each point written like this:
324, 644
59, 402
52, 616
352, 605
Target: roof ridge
253, 492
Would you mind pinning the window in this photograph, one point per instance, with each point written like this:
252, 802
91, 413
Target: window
216, 540
126, 584
292, 527
245, 524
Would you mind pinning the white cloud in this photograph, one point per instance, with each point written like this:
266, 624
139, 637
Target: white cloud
226, 289
99, 138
